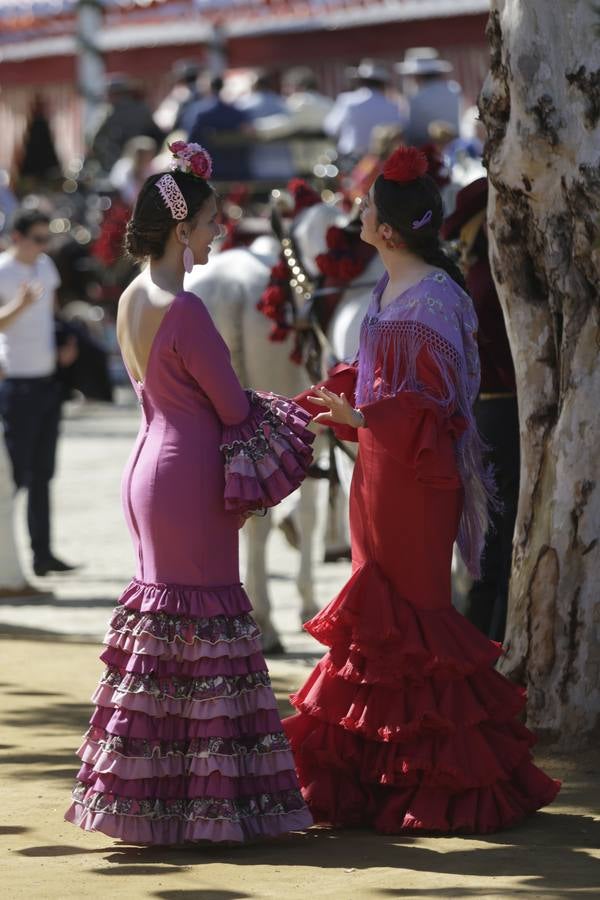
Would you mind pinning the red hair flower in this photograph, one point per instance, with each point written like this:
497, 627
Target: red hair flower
405, 164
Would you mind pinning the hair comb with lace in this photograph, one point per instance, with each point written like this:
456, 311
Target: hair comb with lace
172, 197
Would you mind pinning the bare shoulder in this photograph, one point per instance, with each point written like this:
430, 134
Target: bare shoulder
143, 294
141, 304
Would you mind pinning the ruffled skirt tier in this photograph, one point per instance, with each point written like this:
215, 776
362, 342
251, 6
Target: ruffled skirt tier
404, 724
185, 742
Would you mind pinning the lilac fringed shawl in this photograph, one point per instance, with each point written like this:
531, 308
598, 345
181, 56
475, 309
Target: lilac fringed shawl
438, 315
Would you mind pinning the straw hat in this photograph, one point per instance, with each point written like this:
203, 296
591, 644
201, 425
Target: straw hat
371, 70
423, 61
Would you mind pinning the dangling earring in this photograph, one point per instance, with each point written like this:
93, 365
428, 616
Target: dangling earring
188, 259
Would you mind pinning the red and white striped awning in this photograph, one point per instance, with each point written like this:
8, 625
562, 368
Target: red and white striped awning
23, 19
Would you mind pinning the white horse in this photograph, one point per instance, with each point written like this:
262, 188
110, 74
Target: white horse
230, 285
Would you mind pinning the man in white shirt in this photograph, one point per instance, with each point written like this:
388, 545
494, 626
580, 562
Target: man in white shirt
29, 390
356, 113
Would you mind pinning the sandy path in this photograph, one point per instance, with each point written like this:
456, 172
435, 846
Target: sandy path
44, 711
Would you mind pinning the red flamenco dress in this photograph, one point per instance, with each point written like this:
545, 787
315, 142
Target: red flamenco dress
404, 724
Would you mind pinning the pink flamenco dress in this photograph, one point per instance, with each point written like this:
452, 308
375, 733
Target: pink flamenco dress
404, 724
185, 742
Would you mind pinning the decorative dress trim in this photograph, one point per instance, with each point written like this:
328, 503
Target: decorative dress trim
266, 456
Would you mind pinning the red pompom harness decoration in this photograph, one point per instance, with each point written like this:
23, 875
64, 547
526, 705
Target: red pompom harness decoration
276, 301
347, 256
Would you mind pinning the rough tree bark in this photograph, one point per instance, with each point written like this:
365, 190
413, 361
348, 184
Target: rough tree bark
541, 108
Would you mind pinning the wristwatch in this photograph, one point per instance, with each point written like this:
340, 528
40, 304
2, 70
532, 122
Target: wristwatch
362, 422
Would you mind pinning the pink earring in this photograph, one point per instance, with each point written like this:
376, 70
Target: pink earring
188, 259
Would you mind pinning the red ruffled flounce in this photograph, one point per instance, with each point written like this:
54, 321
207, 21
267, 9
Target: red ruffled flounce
405, 725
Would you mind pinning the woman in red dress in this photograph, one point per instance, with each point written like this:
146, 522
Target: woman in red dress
404, 724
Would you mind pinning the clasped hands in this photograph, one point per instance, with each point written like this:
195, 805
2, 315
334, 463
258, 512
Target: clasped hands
339, 410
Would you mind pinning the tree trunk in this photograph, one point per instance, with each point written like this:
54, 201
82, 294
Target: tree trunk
541, 108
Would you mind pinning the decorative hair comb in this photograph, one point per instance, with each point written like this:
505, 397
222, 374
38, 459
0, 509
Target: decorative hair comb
172, 197
192, 159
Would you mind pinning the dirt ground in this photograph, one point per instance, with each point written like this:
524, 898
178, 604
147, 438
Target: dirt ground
43, 713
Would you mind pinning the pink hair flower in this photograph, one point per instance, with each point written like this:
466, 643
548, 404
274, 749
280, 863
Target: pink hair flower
192, 159
201, 164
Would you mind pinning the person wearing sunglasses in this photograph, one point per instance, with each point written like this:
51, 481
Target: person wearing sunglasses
29, 390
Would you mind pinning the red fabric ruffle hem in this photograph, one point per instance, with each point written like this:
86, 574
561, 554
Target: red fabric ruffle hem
404, 724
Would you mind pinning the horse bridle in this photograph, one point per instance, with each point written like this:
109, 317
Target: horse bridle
304, 285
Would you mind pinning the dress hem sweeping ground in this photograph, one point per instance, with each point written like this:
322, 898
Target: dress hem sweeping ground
404, 725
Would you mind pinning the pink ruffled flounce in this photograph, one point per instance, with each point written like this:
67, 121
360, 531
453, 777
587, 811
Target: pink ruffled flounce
185, 742
177, 831
241, 765
187, 787
242, 704
165, 667
268, 455
135, 725
185, 601
169, 640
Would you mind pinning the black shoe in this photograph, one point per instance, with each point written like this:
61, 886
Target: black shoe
41, 567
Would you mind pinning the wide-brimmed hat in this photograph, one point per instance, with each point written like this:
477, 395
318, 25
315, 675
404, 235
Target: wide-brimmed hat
371, 70
471, 200
423, 61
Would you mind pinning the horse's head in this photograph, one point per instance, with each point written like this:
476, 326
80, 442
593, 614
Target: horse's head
309, 230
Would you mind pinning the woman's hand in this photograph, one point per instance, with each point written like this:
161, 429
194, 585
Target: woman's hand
339, 410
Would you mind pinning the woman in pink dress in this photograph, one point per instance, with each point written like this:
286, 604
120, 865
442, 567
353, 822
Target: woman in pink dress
185, 743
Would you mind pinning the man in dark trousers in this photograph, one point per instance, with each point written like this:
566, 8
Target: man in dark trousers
30, 395
496, 408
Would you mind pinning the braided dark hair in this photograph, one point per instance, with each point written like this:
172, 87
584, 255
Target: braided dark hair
152, 222
402, 204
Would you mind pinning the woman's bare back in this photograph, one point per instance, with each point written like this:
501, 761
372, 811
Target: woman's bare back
142, 307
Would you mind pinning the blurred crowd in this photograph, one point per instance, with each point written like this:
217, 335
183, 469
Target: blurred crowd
268, 126
262, 129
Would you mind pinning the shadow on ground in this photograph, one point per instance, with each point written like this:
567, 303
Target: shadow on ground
548, 854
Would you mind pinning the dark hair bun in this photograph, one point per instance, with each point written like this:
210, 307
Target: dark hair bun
142, 241
151, 224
